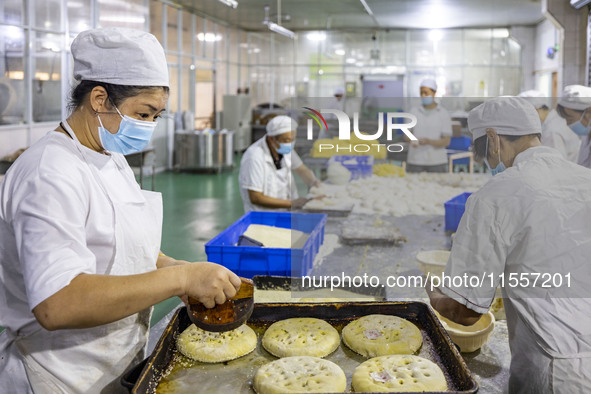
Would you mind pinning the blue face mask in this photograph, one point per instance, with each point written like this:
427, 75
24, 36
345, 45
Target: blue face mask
284, 149
578, 127
428, 100
500, 167
133, 135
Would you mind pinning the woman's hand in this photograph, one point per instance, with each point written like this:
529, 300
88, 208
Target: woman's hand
209, 283
299, 202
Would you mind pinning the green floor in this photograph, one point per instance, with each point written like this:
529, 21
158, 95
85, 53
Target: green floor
197, 207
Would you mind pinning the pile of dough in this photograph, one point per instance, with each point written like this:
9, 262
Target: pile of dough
277, 237
338, 174
301, 336
216, 347
300, 375
381, 335
398, 373
387, 169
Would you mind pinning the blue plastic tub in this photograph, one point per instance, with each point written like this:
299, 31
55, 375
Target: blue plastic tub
462, 144
248, 261
454, 209
360, 166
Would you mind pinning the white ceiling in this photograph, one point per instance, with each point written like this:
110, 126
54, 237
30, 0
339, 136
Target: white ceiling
350, 14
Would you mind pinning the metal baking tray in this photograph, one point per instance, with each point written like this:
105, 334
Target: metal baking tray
336, 213
297, 286
236, 376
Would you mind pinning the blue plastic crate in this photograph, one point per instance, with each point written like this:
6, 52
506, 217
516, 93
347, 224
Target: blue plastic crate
248, 261
462, 144
360, 166
454, 209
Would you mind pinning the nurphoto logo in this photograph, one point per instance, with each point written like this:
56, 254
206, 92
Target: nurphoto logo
393, 120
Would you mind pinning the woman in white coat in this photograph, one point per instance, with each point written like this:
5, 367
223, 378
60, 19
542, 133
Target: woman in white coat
528, 223
555, 132
266, 180
80, 260
575, 107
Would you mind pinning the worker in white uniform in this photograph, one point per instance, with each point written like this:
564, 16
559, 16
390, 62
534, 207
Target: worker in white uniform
266, 180
433, 130
80, 259
531, 219
338, 102
555, 132
575, 107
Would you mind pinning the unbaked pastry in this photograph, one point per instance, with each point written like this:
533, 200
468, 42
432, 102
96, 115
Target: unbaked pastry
398, 373
300, 374
277, 237
216, 347
380, 335
301, 336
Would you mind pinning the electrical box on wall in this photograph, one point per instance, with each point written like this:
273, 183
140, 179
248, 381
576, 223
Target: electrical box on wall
350, 89
302, 89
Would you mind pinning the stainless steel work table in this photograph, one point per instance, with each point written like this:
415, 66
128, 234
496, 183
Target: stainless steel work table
490, 364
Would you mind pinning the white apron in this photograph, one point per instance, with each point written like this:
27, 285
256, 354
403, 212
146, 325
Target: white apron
91, 360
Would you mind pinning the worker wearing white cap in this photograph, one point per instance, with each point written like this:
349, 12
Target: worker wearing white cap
575, 107
338, 102
80, 260
433, 131
555, 132
529, 221
265, 178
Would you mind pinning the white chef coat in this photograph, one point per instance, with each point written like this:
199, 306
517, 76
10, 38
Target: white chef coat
585, 152
433, 124
556, 134
67, 210
258, 173
533, 218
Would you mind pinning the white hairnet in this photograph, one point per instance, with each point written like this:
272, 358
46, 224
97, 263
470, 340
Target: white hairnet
338, 91
506, 115
280, 125
535, 97
120, 56
429, 83
577, 97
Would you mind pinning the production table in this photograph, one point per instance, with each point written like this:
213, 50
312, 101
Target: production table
490, 364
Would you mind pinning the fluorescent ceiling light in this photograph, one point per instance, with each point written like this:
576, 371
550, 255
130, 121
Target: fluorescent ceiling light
281, 30
316, 36
435, 35
209, 37
229, 3
500, 33
367, 9
123, 19
340, 52
350, 60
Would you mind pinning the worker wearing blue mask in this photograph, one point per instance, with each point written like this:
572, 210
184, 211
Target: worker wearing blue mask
80, 260
265, 178
555, 132
529, 220
575, 107
433, 130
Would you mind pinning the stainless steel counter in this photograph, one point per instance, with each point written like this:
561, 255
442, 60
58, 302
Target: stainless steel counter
490, 364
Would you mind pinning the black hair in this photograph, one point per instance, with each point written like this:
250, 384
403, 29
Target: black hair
479, 148
117, 93
561, 111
